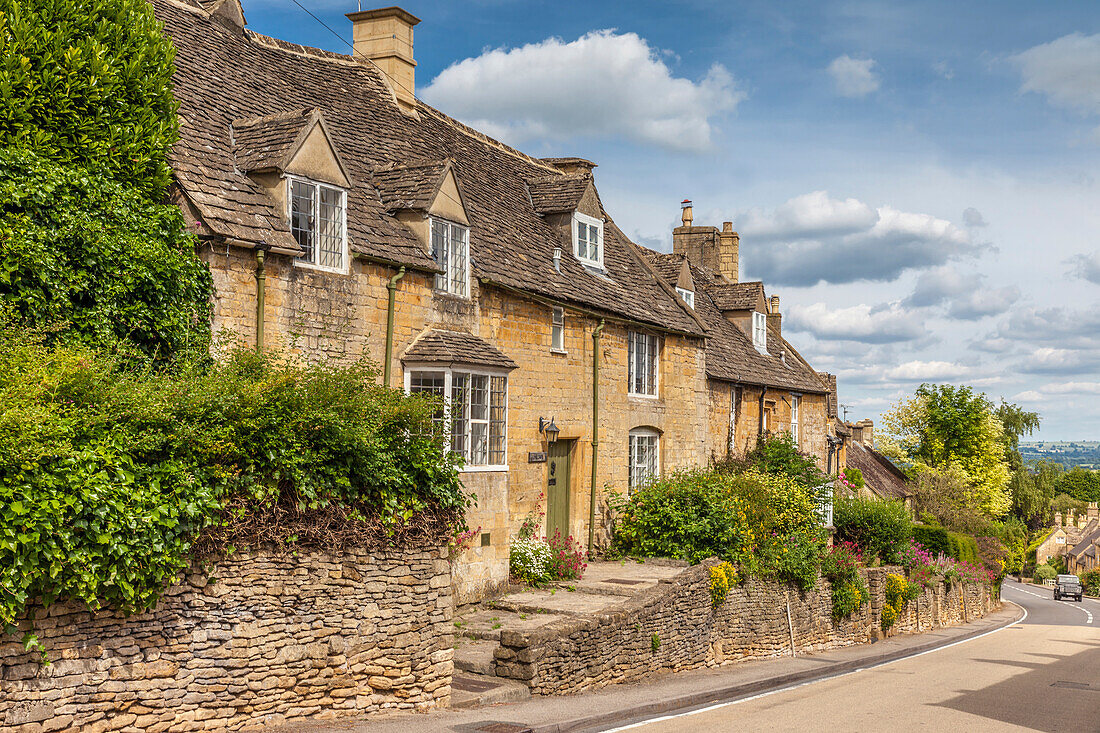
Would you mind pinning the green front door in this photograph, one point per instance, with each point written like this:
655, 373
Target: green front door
557, 488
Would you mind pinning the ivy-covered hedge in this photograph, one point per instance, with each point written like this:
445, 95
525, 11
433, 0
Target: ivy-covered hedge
111, 479
94, 261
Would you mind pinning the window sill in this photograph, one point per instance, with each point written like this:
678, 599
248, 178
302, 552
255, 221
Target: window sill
320, 268
483, 469
559, 352
641, 396
448, 294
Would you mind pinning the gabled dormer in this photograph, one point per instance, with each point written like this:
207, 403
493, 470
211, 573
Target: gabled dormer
293, 157
428, 198
569, 202
685, 285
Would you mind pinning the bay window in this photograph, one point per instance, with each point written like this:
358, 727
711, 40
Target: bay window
475, 412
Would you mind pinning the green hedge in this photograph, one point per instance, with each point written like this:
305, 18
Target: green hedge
938, 540
879, 528
109, 476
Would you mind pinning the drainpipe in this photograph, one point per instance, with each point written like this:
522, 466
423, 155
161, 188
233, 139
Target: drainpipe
760, 417
595, 431
261, 278
392, 287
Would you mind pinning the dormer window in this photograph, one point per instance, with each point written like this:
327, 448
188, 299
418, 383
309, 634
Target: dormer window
318, 221
451, 252
760, 332
688, 296
588, 240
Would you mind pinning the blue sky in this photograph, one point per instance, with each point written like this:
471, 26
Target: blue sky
916, 181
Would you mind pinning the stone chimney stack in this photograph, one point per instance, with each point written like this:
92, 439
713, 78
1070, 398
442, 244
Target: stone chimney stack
1093, 512
775, 318
705, 246
385, 36
729, 261
867, 432
1057, 519
1070, 520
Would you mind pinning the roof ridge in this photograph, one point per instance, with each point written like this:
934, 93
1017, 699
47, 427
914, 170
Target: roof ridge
297, 49
424, 163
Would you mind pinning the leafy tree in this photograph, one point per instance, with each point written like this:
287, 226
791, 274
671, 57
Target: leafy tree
1080, 483
1032, 492
93, 260
944, 426
1016, 421
88, 83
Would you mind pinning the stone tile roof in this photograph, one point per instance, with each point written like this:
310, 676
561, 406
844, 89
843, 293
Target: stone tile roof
455, 347
730, 354
224, 74
1088, 541
412, 186
882, 477
557, 193
265, 142
736, 296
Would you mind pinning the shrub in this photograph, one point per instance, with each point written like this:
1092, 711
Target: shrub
566, 558
778, 455
690, 515
879, 528
898, 592
88, 84
840, 567
93, 261
719, 586
111, 479
1091, 582
854, 477
931, 538
1045, 572
530, 560
792, 558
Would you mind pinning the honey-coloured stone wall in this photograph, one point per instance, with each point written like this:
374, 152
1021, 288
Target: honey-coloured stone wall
673, 627
250, 642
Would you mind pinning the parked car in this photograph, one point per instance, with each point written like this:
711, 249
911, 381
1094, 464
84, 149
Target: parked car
1068, 586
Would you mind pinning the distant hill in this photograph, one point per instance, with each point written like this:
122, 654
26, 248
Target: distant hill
1070, 453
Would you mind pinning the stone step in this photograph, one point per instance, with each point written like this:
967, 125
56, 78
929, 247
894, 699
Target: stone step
476, 656
546, 602
469, 690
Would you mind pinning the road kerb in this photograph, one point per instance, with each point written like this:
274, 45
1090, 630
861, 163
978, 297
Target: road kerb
745, 689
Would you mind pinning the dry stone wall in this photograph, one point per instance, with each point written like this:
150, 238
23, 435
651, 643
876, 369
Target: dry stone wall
275, 638
673, 628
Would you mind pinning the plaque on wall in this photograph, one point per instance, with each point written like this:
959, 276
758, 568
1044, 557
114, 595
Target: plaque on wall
536, 457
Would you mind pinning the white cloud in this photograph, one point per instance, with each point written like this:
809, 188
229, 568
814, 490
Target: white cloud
814, 238
984, 302
872, 325
1028, 396
1086, 267
1071, 388
604, 84
928, 371
944, 70
1066, 71
853, 77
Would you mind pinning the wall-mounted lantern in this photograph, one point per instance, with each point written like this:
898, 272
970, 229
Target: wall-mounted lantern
548, 428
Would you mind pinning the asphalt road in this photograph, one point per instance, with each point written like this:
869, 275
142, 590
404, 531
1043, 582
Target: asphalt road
1042, 673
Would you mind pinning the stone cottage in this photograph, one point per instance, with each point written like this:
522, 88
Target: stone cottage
342, 217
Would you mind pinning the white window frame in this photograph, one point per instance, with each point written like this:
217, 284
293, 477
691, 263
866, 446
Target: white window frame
652, 471
313, 263
688, 296
448, 382
557, 330
796, 425
760, 332
579, 218
633, 339
445, 282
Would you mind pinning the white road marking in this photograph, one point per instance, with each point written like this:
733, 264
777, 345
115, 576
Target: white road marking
1088, 613
719, 706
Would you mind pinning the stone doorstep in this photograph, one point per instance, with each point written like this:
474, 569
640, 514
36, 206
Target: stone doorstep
469, 690
570, 603
478, 625
476, 657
